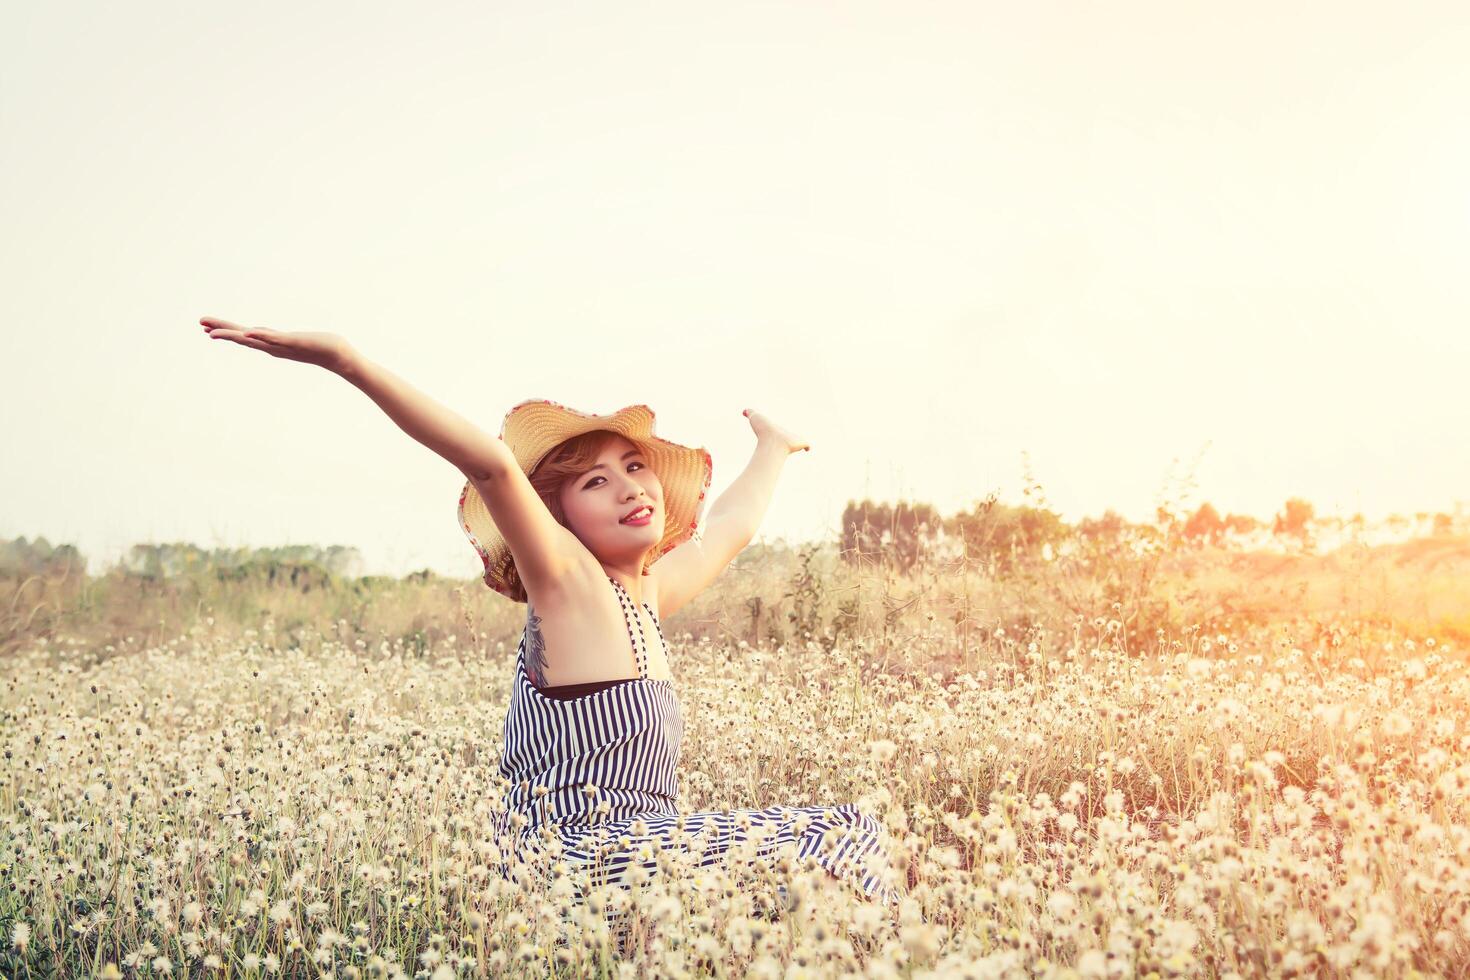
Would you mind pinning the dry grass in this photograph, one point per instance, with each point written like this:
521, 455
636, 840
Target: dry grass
1066, 795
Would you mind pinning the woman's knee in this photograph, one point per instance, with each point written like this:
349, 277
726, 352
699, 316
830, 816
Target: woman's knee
851, 815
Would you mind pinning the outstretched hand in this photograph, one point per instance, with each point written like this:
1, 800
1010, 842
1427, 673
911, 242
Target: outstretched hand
767, 431
327, 350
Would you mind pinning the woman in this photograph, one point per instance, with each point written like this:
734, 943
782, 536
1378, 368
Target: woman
592, 521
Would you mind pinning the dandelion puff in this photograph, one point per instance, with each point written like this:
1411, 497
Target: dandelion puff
921, 941
1062, 905
1397, 724
1093, 965
882, 750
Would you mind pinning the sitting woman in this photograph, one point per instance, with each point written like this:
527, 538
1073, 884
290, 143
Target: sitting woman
592, 521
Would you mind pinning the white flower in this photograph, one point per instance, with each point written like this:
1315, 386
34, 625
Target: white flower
882, 749
1093, 965
1062, 905
1397, 724
1178, 937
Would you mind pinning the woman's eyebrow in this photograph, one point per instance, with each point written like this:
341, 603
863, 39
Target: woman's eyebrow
603, 466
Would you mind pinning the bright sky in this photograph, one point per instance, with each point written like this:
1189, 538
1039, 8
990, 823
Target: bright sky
1130, 240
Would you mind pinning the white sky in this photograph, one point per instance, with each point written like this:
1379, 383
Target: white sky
926, 237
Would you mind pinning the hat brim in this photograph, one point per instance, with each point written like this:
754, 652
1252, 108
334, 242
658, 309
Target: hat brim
535, 427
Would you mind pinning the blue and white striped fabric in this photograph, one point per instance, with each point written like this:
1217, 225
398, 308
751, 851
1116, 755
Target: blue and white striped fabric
593, 782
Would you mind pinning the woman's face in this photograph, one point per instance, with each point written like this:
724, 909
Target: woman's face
595, 502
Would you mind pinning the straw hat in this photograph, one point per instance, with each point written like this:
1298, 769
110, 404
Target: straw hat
536, 426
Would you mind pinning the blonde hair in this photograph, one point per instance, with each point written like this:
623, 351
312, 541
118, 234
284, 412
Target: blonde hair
566, 461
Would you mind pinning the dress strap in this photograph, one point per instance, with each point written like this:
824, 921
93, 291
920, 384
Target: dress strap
640, 642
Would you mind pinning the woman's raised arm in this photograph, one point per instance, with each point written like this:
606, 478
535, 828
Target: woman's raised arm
477, 454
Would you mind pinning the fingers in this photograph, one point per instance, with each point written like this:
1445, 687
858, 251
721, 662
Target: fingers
239, 337
225, 333
214, 326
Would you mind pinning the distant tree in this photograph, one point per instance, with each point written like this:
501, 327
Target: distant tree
1241, 524
1204, 525
901, 534
22, 558
159, 561
1110, 527
1295, 521
1004, 535
862, 532
343, 561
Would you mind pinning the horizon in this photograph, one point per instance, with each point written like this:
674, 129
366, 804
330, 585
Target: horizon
1390, 529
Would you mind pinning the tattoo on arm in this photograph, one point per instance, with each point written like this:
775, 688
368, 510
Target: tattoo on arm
535, 648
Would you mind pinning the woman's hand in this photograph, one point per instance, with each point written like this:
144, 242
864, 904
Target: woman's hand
767, 431
326, 350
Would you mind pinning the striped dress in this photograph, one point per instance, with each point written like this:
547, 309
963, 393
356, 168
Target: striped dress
593, 784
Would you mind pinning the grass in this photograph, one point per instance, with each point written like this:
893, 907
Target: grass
1188, 764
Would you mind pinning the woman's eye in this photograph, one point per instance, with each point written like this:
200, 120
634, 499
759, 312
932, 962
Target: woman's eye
592, 482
